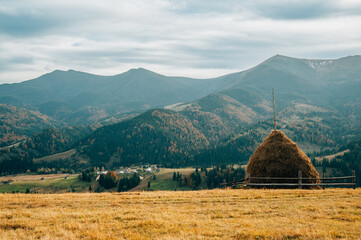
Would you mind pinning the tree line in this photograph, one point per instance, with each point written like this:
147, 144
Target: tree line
219, 173
192, 180
111, 180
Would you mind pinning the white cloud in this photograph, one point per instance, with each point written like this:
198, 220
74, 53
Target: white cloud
174, 37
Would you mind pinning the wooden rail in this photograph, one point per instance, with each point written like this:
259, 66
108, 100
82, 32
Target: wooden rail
247, 182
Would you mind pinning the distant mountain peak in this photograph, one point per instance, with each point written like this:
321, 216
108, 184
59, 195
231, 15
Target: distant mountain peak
140, 71
58, 71
279, 56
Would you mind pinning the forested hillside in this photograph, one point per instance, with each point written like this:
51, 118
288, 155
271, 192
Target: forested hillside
18, 123
173, 137
50, 141
158, 136
313, 128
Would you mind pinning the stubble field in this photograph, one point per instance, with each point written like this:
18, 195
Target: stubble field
207, 214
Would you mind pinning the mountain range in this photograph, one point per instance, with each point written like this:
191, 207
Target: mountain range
142, 116
76, 97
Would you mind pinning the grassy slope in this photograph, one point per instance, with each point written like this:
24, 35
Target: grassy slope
57, 156
208, 214
332, 156
164, 181
50, 185
31, 177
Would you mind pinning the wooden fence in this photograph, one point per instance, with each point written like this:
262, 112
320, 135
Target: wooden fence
298, 181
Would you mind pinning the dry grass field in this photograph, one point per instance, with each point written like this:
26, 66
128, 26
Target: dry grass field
208, 214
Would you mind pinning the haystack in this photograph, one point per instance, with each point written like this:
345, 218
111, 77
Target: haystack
279, 156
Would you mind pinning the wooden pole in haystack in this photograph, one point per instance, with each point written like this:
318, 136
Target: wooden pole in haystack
274, 108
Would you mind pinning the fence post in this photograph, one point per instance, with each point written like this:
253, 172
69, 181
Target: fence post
234, 183
323, 181
248, 180
299, 179
224, 183
354, 179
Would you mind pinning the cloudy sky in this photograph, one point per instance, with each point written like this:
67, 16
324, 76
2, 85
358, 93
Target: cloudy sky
194, 38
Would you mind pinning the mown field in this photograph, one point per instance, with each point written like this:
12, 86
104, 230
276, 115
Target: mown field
207, 214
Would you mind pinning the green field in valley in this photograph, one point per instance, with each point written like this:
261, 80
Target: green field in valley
59, 183
47, 185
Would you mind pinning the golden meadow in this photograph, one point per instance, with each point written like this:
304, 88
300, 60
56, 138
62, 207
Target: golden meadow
206, 214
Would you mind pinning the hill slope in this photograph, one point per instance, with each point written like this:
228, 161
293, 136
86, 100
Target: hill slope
50, 141
313, 128
173, 137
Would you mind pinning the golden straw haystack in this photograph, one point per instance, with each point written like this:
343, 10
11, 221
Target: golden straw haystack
279, 156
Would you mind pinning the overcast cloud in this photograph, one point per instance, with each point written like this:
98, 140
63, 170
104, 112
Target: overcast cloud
204, 38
